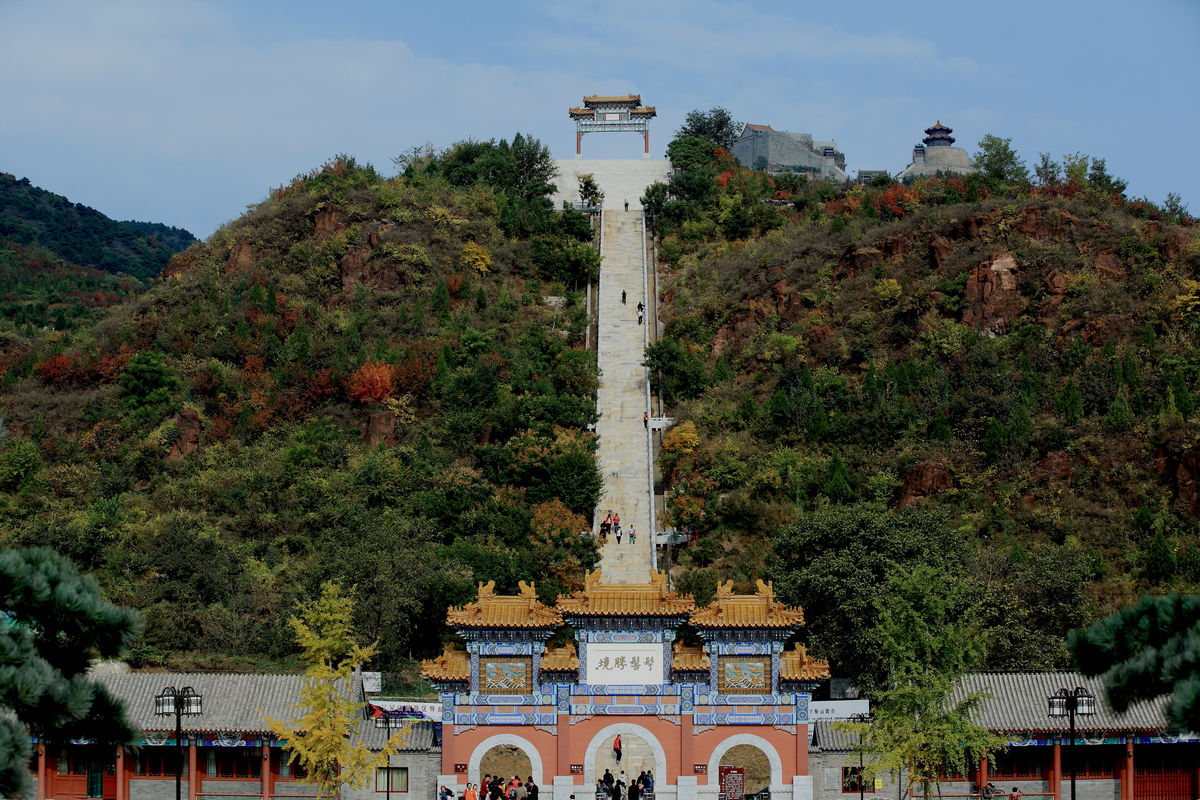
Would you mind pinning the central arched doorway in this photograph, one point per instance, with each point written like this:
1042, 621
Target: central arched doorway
640, 752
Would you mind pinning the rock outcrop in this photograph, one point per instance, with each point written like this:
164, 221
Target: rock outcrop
188, 425
241, 258
925, 479
381, 429
993, 295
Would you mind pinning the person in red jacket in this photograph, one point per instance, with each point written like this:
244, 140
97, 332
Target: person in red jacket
617, 748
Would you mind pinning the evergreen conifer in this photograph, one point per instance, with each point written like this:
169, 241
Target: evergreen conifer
53, 623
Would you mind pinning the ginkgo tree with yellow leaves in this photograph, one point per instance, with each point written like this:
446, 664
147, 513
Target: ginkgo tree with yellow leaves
322, 739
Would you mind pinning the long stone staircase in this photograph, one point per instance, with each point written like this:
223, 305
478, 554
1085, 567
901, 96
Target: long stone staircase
622, 399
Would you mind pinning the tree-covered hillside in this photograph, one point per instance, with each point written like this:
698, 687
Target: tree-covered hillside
379, 381
34, 217
993, 376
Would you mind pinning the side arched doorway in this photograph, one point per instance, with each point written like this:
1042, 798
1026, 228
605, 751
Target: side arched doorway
747, 750
505, 754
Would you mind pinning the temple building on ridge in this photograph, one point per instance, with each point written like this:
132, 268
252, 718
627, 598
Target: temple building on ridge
763, 148
937, 155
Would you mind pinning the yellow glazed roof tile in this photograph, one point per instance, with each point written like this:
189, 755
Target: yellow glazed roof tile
796, 665
491, 610
759, 610
452, 665
652, 599
689, 659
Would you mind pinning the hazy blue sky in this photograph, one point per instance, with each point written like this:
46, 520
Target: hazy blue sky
185, 111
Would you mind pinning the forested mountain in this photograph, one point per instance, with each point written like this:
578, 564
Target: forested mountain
975, 390
986, 384
80, 235
359, 379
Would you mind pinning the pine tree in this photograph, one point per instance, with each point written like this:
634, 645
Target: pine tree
995, 440
53, 622
1146, 651
1119, 416
818, 423
323, 739
837, 481
1070, 403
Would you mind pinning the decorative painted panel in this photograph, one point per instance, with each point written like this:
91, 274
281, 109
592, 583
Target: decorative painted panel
505, 674
737, 674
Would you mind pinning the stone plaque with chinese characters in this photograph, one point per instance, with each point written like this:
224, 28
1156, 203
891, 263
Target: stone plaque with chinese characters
741, 674
625, 664
505, 674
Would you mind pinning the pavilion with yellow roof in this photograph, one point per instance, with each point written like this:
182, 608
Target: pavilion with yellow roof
681, 685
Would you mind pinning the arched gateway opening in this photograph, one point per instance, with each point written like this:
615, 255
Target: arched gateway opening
753, 766
640, 752
506, 755
505, 760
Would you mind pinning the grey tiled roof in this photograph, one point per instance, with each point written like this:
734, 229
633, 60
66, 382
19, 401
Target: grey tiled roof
1017, 703
237, 703
829, 739
232, 702
420, 736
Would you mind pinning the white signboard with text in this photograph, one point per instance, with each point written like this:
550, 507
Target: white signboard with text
625, 664
837, 709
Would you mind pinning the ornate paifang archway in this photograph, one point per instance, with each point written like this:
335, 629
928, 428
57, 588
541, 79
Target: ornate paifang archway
520, 742
615, 114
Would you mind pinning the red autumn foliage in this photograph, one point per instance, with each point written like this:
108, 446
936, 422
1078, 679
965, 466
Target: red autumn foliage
724, 177
455, 283
373, 382
320, 387
413, 372
58, 369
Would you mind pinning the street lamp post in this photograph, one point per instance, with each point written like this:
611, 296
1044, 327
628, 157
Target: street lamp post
1064, 703
184, 701
861, 719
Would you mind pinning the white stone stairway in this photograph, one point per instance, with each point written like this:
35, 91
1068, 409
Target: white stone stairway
621, 399
623, 451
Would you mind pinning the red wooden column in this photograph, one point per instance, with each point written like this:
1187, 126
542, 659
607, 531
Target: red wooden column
1056, 772
1127, 773
647, 135
193, 773
578, 143
122, 778
983, 772
268, 777
41, 771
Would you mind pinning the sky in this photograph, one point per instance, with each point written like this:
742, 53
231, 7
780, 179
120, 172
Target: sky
188, 111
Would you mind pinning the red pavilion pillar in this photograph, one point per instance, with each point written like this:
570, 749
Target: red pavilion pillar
268, 778
646, 133
41, 771
1056, 772
193, 772
578, 143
